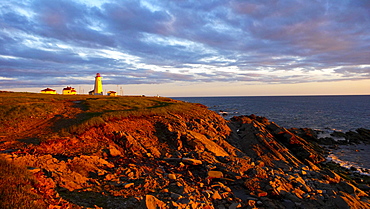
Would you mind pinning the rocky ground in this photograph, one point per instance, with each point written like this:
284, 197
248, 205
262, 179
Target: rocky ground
196, 160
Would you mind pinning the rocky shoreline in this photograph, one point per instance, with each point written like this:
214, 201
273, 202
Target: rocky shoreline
191, 160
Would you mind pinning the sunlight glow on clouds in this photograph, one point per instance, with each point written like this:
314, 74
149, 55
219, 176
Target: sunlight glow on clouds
45, 43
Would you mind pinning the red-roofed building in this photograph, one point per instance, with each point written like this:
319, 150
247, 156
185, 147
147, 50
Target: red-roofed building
48, 91
112, 93
69, 91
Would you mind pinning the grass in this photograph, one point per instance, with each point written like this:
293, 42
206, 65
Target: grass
15, 187
106, 109
18, 109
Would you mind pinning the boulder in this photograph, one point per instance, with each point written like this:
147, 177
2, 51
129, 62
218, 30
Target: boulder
216, 195
201, 142
172, 176
152, 202
114, 152
214, 174
191, 161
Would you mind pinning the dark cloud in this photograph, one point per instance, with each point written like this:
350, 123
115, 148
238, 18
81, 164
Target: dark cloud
133, 42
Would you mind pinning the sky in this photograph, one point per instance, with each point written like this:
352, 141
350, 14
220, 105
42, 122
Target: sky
187, 48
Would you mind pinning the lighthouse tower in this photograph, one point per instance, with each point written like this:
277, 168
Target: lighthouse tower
98, 88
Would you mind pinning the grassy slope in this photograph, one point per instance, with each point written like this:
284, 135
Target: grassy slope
23, 113
29, 118
15, 187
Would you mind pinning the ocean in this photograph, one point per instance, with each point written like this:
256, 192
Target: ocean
341, 113
323, 113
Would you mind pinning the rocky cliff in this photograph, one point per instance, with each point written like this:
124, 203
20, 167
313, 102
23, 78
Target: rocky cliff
185, 159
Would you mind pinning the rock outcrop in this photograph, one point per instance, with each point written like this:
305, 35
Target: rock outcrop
361, 135
189, 160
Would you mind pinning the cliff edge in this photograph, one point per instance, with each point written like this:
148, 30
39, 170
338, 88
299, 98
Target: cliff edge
146, 152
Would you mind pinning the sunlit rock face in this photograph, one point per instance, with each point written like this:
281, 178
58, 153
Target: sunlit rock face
192, 159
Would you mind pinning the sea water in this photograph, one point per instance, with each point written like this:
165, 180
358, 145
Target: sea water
324, 113
342, 113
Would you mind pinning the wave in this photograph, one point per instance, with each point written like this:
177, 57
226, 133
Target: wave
353, 157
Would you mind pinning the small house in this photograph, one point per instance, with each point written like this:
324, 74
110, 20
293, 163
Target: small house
48, 91
112, 93
69, 91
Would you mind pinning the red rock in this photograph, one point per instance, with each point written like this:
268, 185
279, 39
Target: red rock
262, 194
114, 152
152, 202
172, 176
251, 203
215, 174
110, 177
216, 196
128, 185
191, 161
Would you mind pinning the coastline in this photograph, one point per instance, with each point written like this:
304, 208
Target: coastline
326, 113
140, 152
352, 157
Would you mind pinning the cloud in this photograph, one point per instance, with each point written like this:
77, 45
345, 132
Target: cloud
133, 42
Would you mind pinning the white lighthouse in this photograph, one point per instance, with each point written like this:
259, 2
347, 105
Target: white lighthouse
98, 88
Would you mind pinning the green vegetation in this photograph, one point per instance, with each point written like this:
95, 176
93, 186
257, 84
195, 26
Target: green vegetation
103, 109
74, 114
15, 187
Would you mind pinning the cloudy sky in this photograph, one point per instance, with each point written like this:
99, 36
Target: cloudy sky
187, 48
